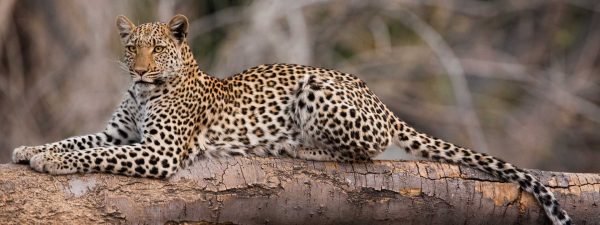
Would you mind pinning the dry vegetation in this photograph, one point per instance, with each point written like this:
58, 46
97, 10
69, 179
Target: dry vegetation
517, 79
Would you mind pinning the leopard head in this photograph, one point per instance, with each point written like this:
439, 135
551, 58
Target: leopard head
154, 52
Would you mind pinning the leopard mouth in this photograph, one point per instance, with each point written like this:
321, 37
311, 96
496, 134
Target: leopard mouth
145, 82
149, 82
147, 78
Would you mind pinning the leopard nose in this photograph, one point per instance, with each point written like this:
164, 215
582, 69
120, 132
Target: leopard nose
141, 71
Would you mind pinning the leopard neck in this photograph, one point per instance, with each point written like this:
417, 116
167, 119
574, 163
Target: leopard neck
208, 89
190, 65
189, 62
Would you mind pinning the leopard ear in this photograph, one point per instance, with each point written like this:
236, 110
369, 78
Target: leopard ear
125, 27
178, 26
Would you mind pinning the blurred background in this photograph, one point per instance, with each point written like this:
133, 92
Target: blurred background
516, 79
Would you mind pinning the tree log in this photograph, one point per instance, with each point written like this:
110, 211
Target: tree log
287, 191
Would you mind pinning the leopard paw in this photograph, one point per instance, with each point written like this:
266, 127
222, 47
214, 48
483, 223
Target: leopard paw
22, 154
52, 163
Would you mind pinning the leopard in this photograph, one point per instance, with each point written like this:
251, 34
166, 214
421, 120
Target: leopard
174, 114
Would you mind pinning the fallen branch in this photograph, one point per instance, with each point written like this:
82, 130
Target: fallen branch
287, 191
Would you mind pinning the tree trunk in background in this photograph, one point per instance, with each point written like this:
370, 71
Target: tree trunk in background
287, 191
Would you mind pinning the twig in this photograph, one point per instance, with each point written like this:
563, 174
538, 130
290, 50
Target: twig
546, 89
454, 69
381, 35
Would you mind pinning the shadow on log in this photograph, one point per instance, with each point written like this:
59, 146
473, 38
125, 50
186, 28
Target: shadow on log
287, 191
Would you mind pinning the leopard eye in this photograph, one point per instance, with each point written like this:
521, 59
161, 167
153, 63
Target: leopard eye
159, 49
131, 48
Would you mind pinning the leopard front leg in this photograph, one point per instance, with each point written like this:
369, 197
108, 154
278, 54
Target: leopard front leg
22, 154
131, 160
121, 129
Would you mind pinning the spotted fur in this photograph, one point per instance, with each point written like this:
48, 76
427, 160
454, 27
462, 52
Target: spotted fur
173, 114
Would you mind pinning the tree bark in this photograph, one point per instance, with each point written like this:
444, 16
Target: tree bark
287, 191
